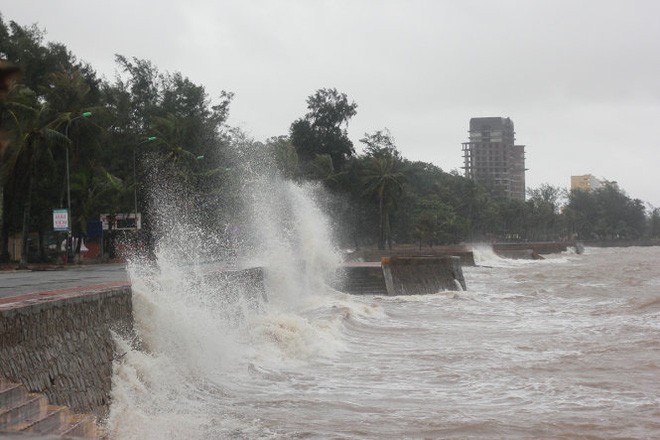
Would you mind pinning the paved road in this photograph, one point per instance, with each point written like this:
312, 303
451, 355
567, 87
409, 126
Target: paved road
23, 282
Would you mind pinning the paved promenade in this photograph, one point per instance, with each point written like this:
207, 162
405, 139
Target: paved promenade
19, 283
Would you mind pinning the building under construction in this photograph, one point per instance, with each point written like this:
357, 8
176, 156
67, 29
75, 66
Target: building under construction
492, 158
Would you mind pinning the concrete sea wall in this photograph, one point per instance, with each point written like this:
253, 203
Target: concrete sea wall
539, 248
60, 343
525, 250
402, 276
363, 279
519, 254
375, 255
416, 276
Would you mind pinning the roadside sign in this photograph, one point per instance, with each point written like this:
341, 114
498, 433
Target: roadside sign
121, 221
60, 219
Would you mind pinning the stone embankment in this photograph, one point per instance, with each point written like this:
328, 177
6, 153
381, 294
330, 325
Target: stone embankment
60, 343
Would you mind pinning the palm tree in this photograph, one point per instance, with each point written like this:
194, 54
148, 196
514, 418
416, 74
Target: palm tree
169, 134
32, 142
99, 191
383, 180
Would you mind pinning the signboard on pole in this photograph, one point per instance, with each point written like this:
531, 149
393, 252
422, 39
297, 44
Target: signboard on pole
122, 221
61, 220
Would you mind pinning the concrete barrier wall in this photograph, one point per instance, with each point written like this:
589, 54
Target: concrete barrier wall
519, 254
60, 343
467, 256
402, 276
366, 279
540, 248
415, 276
463, 251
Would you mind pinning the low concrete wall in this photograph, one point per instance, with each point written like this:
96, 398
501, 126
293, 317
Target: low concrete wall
59, 343
365, 279
519, 254
367, 255
402, 276
415, 276
541, 248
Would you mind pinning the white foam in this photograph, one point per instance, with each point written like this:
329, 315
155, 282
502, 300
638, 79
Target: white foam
485, 256
196, 331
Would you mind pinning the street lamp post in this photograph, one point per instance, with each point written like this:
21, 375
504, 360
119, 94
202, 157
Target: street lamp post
69, 247
149, 139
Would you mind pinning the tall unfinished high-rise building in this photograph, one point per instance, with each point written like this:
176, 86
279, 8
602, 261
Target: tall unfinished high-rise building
492, 158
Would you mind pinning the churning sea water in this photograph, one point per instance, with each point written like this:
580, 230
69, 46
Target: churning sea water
568, 347
563, 348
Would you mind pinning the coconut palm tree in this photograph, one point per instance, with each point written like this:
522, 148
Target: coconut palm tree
383, 180
168, 139
34, 136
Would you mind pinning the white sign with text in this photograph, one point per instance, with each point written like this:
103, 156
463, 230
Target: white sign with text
60, 219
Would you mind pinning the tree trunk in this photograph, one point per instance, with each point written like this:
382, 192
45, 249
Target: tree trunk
26, 225
4, 242
388, 236
4, 228
356, 242
381, 225
42, 247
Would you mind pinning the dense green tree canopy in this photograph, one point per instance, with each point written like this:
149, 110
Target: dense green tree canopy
323, 129
606, 213
148, 126
55, 90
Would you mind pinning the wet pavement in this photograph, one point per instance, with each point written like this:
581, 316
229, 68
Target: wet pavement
16, 283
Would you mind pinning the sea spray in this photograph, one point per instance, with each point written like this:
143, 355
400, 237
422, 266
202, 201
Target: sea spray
484, 255
200, 340
296, 249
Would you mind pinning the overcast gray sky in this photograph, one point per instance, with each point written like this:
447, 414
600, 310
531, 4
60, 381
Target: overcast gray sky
580, 79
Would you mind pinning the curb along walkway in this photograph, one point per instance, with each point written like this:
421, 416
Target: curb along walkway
70, 292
